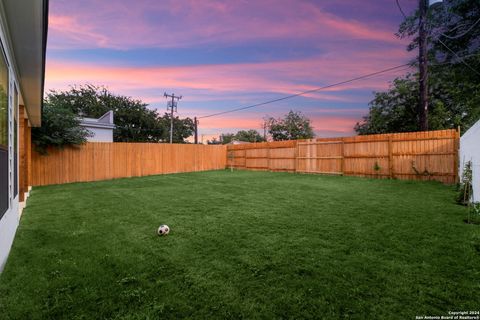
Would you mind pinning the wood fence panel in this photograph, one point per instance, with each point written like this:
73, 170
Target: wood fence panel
431, 155
101, 161
257, 159
282, 158
273, 156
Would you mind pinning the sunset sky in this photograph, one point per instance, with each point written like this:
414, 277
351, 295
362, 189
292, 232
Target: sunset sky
225, 54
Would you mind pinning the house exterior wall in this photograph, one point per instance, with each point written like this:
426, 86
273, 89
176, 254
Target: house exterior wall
470, 151
9, 214
100, 135
22, 60
8, 227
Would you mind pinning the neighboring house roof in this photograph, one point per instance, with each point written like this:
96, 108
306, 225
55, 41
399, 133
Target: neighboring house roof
105, 121
27, 23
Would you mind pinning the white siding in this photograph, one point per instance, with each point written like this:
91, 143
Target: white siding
470, 151
8, 227
100, 135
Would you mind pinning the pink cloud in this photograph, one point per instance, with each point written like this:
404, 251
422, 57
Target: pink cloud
285, 77
347, 47
123, 24
72, 32
323, 126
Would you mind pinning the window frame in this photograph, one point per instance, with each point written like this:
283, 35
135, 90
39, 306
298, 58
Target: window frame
4, 56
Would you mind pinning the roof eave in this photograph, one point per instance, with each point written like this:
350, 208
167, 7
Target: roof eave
28, 28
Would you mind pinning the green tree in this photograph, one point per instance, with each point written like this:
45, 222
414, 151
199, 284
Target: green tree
242, 135
182, 128
395, 110
214, 141
249, 136
453, 22
226, 138
134, 121
454, 78
292, 126
60, 128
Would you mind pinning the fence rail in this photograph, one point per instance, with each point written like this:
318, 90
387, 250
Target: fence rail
430, 155
101, 161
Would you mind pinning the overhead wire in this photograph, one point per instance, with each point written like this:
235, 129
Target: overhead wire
449, 37
308, 91
458, 57
460, 35
400, 8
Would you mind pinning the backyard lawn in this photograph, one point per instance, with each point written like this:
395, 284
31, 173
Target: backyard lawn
243, 245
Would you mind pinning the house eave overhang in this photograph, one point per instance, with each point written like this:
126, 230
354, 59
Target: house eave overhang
27, 22
97, 125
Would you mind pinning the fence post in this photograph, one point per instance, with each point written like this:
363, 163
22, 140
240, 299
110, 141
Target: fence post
390, 157
295, 157
456, 155
342, 164
268, 157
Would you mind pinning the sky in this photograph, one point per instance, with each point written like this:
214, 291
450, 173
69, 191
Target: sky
220, 55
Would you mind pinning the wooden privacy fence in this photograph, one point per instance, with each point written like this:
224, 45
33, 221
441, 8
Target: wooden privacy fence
101, 161
430, 155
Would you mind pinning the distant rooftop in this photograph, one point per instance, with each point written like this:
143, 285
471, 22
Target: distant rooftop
105, 121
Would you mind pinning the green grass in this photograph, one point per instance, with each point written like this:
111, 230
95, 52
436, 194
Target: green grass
243, 245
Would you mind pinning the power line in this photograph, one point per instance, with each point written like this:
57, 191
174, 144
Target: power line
458, 57
460, 35
308, 91
400, 8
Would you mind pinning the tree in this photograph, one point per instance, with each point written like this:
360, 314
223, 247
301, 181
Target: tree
214, 141
226, 138
242, 135
292, 126
249, 136
454, 22
454, 87
134, 121
182, 128
60, 128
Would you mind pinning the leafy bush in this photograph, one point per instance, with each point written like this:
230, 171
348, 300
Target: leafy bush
464, 193
60, 128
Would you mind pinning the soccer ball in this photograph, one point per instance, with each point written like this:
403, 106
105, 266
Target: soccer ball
163, 230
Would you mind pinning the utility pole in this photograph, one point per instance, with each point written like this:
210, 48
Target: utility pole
423, 65
265, 130
172, 107
196, 129
264, 127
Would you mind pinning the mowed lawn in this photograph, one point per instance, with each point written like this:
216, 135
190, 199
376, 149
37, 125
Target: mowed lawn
243, 245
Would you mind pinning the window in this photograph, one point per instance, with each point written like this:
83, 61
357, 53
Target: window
3, 135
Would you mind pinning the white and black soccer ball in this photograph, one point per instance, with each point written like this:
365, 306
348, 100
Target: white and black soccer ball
163, 230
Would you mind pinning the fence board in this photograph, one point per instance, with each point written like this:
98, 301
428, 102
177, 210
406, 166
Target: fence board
431, 155
95, 161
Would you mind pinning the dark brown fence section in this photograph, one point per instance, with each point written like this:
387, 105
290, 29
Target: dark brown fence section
431, 155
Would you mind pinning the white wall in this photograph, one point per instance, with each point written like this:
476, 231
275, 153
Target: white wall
100, 135
470, 151
8, 226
